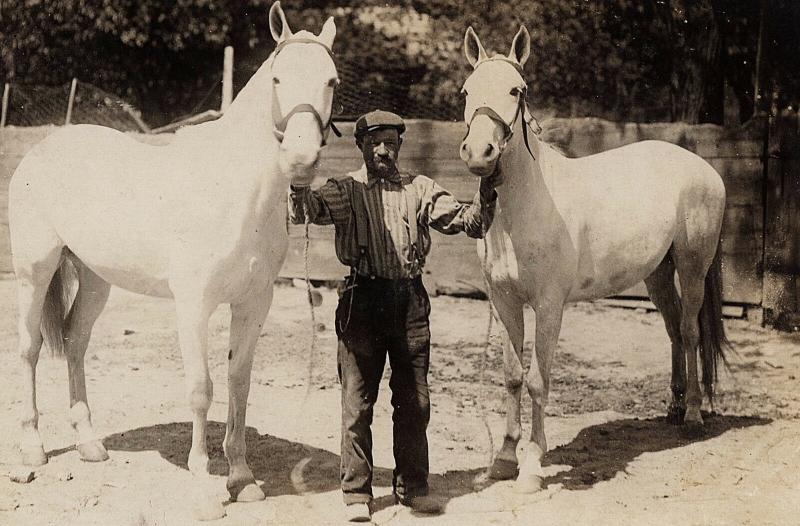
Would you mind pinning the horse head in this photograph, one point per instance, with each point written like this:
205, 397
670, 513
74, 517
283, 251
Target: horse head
494, 96
303, 81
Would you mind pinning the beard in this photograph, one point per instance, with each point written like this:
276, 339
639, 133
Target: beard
384, 167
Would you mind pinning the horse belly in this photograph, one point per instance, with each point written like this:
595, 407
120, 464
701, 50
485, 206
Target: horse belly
142, 269
621, 251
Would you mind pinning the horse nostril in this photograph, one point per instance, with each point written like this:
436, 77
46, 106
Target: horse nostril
489, 150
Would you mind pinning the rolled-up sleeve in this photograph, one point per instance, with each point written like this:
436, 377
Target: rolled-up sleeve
448, 216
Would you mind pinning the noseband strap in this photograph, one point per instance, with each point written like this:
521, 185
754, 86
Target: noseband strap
508, 127
280, 121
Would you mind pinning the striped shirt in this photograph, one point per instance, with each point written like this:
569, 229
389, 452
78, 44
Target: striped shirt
391, 253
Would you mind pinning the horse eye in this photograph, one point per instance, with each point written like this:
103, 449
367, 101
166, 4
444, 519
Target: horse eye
515, 92
333, 83
464, 92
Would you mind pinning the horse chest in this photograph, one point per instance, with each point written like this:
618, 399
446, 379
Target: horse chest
259, 264
500, 259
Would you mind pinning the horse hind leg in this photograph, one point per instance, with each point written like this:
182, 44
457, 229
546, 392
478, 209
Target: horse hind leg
661, 288
692, 268
89, 302
36, 259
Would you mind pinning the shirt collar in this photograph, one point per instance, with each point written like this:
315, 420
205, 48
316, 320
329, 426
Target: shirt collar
362, 175
396, 179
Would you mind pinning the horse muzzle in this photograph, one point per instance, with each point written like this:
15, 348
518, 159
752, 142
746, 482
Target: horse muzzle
481, 160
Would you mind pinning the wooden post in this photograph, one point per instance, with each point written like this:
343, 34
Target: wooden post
71, 101
782, 221
227, 79
4, 113
759, 58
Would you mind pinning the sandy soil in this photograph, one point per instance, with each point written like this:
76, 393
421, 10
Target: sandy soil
613, 460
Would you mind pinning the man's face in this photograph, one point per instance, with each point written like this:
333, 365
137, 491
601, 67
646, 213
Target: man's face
380, 149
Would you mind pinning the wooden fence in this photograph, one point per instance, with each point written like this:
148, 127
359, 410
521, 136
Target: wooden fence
431, 148
759, 257
781, 261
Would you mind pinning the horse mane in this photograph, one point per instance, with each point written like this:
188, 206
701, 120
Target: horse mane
241, 108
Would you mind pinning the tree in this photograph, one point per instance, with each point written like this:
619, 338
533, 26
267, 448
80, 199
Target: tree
638, 60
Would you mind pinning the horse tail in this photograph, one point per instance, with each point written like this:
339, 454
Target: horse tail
712, 332
56, 308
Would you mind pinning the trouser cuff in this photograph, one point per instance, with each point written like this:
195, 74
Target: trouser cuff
357, 498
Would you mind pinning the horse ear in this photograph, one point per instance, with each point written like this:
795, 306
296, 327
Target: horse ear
521, 46
278, 25
473, 49
328, 33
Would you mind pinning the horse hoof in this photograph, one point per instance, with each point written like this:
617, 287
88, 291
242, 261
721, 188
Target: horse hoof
250, 493
693, 430
93, 451
503, 469
208, 510
675, 416
529, 484
33, 456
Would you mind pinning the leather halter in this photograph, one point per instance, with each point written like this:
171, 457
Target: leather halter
280, 121
508, 127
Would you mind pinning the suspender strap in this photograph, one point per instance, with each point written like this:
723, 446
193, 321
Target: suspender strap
411, 207
362, 222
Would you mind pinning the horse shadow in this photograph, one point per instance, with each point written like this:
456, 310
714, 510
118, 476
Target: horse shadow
287, 467
602, 451
598, 453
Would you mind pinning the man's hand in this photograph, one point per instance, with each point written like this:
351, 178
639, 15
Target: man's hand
303, 180
489, 183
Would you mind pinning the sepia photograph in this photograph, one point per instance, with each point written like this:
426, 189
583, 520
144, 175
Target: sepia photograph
409, 262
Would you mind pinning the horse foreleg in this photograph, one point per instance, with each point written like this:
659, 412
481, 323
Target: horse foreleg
247, 319
506, 464
89, 303
192, 318
548, 327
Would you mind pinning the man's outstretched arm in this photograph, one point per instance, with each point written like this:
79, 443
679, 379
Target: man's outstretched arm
448, 216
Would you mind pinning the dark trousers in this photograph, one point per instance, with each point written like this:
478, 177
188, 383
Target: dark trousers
374, 318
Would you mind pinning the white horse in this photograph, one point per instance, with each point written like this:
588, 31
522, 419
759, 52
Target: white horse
570, 230
202, 221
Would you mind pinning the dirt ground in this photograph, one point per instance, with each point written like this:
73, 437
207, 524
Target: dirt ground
612, 460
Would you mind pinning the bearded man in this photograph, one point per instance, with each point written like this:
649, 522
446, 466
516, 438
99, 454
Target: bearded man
382, 217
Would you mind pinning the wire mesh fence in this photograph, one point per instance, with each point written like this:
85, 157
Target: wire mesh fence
37, 105
363, 89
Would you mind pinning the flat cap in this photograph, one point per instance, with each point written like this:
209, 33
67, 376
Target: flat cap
378, 119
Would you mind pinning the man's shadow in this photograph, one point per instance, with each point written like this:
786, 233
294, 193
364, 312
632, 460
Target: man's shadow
288, 468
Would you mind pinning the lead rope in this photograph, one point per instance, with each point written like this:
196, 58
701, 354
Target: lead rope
296, 475
485, 357
313, 349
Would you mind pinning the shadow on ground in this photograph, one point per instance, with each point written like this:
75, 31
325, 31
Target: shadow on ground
286, 467
599, 452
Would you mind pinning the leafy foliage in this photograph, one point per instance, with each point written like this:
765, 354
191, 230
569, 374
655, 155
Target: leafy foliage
620, 59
